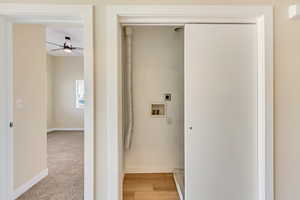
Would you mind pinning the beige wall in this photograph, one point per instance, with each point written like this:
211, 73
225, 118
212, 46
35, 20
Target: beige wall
157, 143
30, 142
287, 83
50, 75
63, 71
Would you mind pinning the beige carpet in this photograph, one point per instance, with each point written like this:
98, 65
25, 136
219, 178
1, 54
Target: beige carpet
65, 164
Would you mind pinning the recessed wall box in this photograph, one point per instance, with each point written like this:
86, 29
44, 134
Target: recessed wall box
168, 97
158, 110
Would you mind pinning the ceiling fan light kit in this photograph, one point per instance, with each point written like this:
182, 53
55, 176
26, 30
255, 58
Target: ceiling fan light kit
67, 50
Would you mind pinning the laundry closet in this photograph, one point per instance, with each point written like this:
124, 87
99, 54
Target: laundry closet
154, 99
190, 110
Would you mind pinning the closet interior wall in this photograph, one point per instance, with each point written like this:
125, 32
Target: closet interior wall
157, 58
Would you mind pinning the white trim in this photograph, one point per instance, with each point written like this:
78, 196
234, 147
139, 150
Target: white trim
122, 183
182, 14
6, 99
178, 187
51, 22
64, 129
148, 170
10, 141
51, 130
46, 13
180, 20
23, 188
130, 24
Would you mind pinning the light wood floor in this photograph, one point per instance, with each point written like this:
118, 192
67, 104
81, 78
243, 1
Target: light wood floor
149, 187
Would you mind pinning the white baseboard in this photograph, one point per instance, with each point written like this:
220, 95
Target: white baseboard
23, 188
148, 170
64, 129
178, 187
51, 130
122, 176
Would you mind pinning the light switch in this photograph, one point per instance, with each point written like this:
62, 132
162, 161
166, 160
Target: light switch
19, 103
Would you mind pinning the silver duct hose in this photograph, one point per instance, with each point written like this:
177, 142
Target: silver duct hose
129, 101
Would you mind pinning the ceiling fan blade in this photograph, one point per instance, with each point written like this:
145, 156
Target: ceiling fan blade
77, 48
57, 49
52, 43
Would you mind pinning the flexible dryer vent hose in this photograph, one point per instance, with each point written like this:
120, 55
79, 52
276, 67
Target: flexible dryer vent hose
128, 133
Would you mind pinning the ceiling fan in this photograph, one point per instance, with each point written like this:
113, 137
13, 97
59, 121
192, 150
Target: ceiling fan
66, 47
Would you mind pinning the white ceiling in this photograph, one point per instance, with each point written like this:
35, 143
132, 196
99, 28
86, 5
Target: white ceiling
57, 33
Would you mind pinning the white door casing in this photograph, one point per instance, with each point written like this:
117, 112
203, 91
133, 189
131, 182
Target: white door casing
41, 14
262, 16
6, 99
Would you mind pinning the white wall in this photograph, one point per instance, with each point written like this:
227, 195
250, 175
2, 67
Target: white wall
63, 71
158, 66
30, 102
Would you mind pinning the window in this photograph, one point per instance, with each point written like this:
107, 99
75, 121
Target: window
80, 102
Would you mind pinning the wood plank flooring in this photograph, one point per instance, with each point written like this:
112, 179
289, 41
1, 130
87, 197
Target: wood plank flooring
149, 187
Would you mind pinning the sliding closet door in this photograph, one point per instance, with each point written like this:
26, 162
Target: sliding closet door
221, 111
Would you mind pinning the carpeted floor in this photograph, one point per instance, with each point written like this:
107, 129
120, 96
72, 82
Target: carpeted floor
65, 164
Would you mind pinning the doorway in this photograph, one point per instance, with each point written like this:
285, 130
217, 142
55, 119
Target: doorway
153, 111
45, 14
52, 78
193, 15
221, 104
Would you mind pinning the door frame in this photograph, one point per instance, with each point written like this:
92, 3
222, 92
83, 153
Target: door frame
47, 14
177, 15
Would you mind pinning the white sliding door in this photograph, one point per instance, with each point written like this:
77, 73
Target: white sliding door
221, 111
